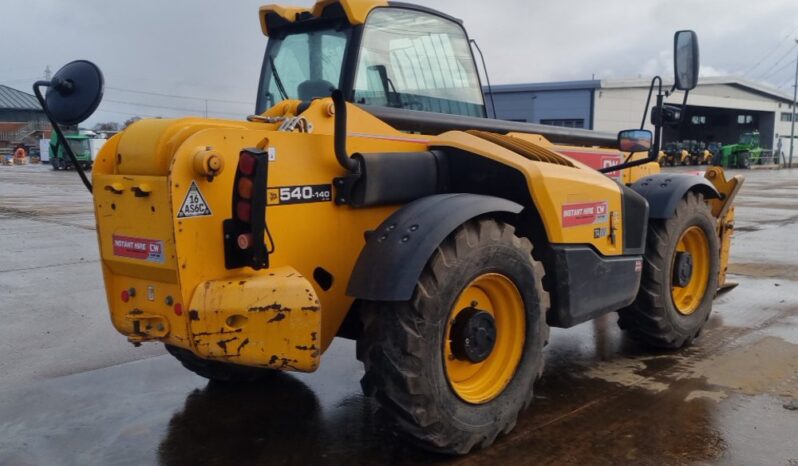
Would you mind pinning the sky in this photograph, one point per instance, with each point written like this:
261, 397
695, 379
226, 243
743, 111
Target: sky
212, 49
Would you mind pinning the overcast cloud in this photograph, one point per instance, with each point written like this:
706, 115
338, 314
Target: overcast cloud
213, 48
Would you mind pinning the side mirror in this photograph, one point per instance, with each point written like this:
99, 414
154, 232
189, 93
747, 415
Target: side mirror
685, 60
74, 92
635, 140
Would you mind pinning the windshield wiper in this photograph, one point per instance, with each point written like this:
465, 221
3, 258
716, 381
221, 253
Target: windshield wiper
277, 79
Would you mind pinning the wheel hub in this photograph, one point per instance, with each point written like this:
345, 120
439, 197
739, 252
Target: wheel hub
682, 269
473, 335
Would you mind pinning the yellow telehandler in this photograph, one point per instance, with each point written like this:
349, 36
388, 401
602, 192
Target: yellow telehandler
369, 197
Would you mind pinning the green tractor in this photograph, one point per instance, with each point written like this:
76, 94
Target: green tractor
743, 154
80, 146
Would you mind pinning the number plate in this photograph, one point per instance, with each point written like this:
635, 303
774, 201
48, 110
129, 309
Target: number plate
286, 195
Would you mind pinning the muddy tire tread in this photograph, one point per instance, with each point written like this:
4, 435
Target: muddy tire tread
394, 371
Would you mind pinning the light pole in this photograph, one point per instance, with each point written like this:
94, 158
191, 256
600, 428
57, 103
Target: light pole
794, 98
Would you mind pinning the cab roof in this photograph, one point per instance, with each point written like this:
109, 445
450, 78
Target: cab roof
355, 11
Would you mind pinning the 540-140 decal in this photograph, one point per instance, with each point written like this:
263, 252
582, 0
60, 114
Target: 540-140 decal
287, 195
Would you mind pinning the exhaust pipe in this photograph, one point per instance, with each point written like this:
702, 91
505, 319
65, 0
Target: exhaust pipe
339, 134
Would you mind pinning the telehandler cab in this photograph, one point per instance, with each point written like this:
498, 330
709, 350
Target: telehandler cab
369, 197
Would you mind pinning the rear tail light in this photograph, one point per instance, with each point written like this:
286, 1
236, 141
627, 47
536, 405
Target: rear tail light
244, 233
245, 188
243, 211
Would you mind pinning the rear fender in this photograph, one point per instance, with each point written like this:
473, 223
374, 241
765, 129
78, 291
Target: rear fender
664, 191
397, 251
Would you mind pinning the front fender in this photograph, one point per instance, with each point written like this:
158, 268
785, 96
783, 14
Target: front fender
397, 251
664, 191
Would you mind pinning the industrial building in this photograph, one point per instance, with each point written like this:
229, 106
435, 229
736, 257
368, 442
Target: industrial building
719, 109
21, 119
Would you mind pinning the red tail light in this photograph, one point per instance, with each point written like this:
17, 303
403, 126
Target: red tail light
245, 188
244, 234
246, 164
243, 211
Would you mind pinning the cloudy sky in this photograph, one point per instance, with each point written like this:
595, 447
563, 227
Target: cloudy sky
213, 48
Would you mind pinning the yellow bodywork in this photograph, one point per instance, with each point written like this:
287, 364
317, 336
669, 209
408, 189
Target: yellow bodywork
356, 11
164, 263
143, 175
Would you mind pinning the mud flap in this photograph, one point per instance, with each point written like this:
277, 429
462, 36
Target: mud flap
270, 320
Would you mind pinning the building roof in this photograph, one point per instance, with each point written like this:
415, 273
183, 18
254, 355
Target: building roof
735, 81
550, 86
17, 100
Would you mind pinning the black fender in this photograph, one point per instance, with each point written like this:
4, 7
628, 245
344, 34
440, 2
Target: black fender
397, 251
663, 191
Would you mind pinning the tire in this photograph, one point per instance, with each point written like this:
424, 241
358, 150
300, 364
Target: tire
660, 316
218, 371
744, 160
404, 346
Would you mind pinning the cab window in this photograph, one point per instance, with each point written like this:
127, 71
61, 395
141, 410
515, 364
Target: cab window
418, 61
303, 65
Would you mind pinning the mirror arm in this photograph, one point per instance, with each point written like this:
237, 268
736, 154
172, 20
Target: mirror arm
648, 100
59, 133
683, 111
655, 148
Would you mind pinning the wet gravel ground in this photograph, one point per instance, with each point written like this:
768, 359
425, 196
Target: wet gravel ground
74, 392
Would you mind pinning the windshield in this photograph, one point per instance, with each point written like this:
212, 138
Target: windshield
418, 61
79, 146
302, 65
748, 139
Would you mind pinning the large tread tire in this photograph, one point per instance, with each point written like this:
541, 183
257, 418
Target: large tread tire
219, 371
653, 318
402, 343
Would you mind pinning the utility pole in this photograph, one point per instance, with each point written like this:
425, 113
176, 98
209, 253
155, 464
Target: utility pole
794, 98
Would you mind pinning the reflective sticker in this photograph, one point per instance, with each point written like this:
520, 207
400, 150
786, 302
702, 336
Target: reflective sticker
587, 213
150, 250
194, 204
638, 266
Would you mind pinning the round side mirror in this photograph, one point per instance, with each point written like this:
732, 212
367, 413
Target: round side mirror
75, 92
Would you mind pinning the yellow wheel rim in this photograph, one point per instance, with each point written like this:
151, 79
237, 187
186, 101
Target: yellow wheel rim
480, 382
686, 299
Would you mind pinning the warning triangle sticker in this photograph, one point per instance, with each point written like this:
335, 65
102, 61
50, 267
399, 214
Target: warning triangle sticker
194, 204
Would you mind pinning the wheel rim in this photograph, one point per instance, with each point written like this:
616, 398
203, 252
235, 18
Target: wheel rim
687, 298
480, 382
